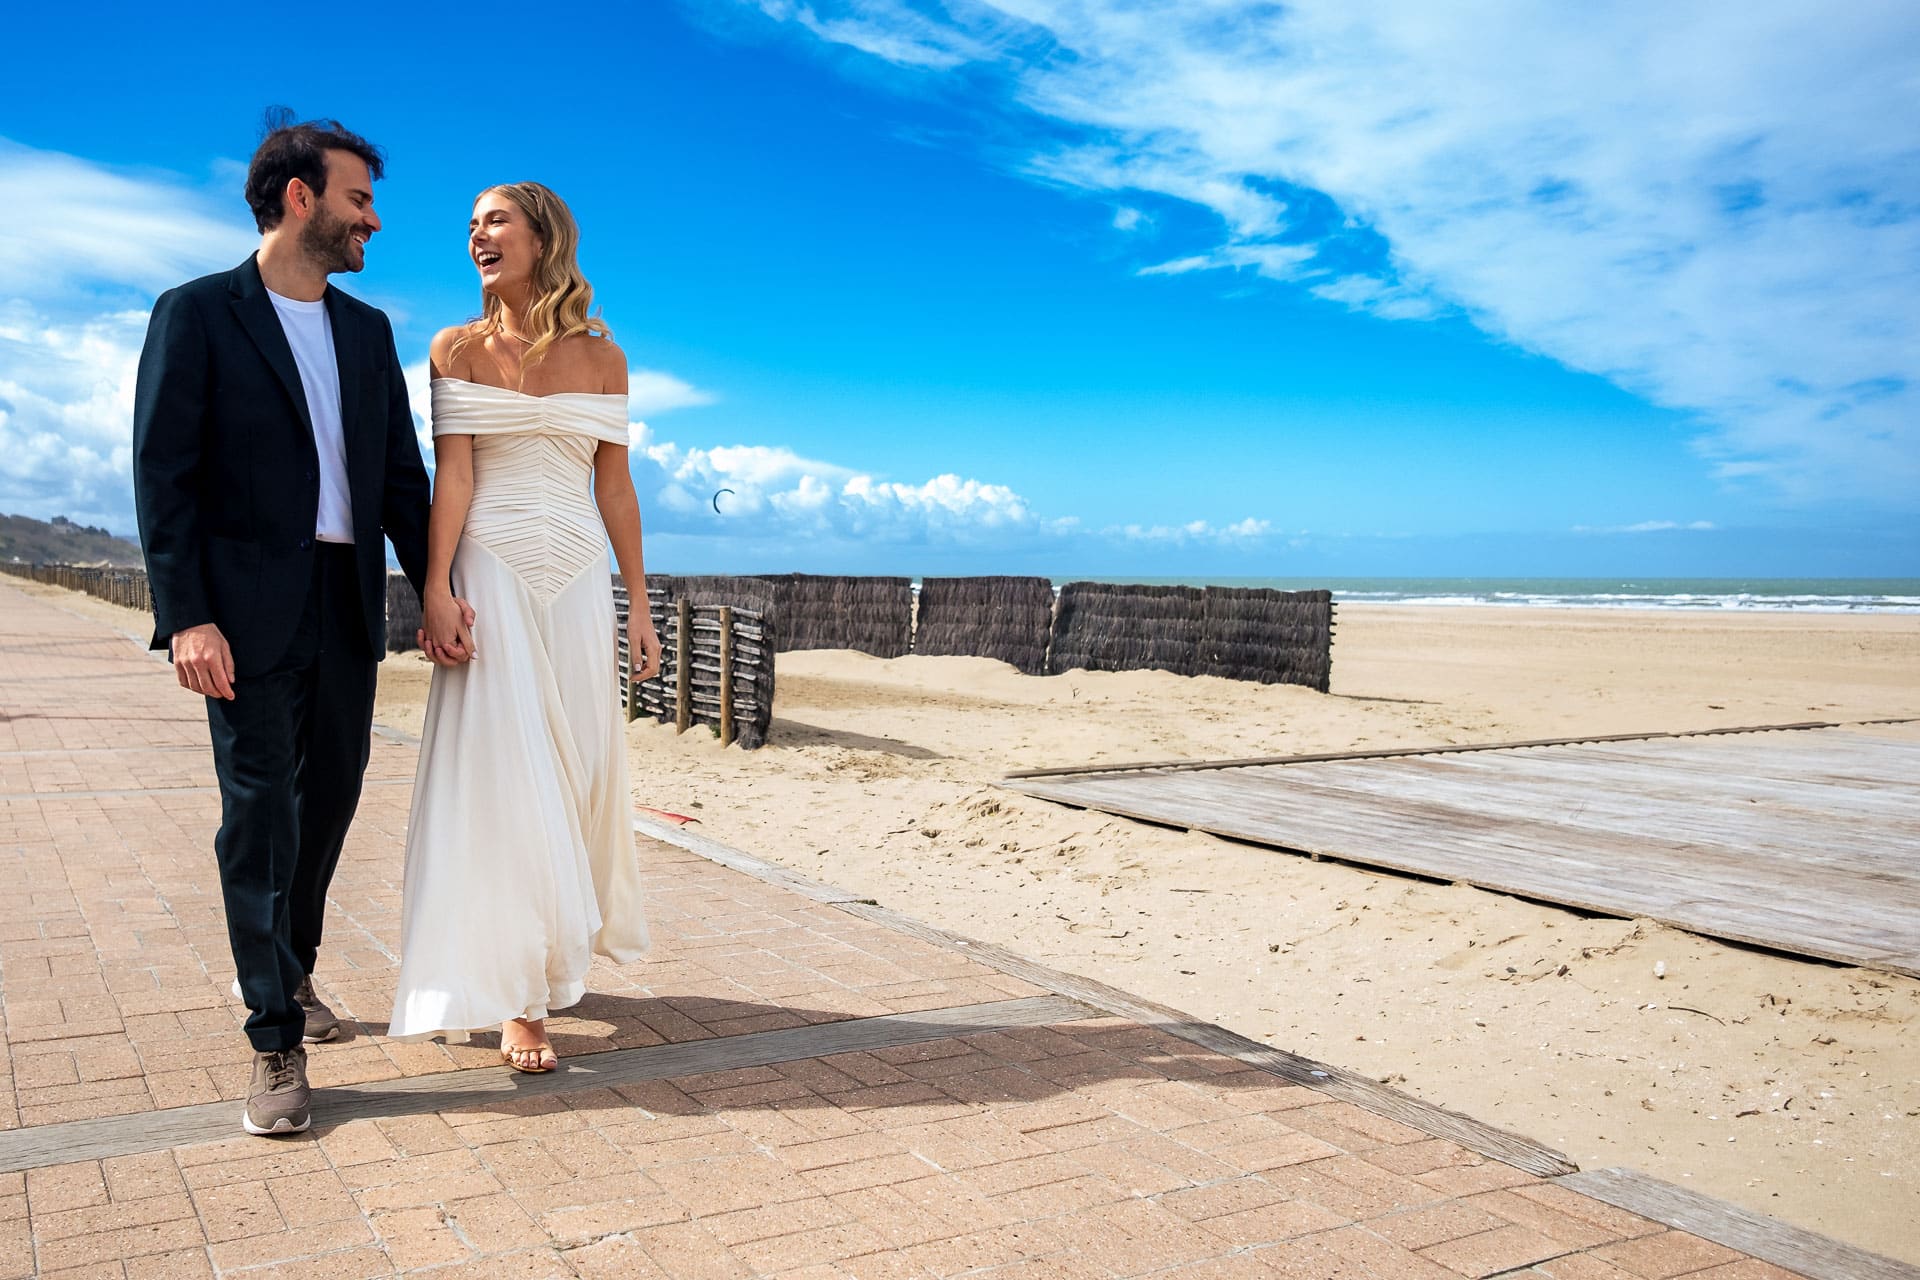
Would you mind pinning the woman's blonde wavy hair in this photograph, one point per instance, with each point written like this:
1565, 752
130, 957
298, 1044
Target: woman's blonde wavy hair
561, 294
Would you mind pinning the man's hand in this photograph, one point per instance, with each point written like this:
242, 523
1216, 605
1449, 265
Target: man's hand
203, 662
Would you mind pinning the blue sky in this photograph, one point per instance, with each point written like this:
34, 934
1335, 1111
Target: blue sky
1083, 288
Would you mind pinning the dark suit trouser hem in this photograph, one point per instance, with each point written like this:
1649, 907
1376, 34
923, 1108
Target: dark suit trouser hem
290, 750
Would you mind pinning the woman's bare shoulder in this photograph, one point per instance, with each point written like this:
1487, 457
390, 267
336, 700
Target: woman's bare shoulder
610, 363
440, 350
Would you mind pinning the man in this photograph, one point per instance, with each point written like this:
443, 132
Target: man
272, 450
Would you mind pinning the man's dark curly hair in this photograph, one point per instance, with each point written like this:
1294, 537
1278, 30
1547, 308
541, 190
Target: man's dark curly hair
298, 150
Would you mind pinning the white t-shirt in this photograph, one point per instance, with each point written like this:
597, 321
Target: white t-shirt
310, 334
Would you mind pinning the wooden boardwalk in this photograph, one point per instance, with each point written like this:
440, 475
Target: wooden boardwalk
1805, 840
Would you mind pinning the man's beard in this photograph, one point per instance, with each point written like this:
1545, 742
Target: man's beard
327, 241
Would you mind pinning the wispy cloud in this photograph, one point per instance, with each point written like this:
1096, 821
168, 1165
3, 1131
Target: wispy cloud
884, 29
1709, 205
1650, 526
76, 229
650, 391
1195, 533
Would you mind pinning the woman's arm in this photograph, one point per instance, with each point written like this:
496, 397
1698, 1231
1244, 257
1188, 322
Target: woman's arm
620, 512
445, 631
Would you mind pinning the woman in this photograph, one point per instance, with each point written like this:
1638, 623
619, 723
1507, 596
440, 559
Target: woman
520, 861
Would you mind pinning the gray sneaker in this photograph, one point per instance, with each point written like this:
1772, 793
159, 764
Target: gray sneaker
279, 1101
322, 1023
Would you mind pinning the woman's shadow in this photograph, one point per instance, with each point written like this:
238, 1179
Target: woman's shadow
607, 1041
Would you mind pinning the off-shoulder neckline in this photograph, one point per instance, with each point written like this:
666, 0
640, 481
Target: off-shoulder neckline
554, 395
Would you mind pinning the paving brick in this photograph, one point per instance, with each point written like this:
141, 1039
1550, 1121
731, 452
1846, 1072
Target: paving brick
417, 1238
1436, 1224
687, 1251
174, 1264
745, 1226
237, 1209
903, 1221
1620, 1223
65, 1186
122, 1243
1349, 1251
994, 1247
1271, 1223
148, 1174
494, 1223
306, 1199
614, 1258
1491, 1252
1664, 1254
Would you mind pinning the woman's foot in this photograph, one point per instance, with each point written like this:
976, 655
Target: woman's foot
524, 1047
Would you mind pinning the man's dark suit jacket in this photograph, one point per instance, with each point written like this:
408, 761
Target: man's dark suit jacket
226, 477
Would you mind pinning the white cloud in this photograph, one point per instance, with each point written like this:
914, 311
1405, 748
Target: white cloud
1711, 205
1649, 526
884, 29
66, 415
86, 249
650, 391
1195, 533
73, 226
777, 493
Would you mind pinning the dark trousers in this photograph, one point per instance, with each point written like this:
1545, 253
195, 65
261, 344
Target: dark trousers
290, 750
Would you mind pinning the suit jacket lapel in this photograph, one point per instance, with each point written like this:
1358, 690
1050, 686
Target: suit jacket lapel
257, 316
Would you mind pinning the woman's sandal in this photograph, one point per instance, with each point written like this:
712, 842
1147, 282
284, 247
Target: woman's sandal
543, 1057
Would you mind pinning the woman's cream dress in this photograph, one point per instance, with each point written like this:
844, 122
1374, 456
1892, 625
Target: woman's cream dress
520, 858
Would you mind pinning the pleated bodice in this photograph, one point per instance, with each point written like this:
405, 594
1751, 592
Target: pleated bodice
532, 474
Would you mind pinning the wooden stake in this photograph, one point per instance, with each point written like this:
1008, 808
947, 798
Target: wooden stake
726, 675
683, 668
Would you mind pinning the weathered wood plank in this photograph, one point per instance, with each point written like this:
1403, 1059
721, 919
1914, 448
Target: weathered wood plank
1390, 752
1747, 845
1815, 1256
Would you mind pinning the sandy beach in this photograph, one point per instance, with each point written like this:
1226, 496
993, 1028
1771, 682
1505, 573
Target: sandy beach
1800, 1100
1791, 1091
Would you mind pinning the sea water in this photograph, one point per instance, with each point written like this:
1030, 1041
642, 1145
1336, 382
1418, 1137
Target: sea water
1781, 595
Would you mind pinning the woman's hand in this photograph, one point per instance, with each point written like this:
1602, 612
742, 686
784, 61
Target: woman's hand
446, 630
642, 638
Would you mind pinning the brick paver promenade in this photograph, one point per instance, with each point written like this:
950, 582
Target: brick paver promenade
788, 1088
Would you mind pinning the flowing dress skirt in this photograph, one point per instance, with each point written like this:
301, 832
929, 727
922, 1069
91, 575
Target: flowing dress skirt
520, 856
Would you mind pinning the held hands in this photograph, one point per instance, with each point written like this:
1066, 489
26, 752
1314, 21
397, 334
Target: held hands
446, 632
203, 662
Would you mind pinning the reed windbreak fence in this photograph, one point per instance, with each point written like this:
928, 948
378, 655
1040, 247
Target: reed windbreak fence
124, 587
1238, 633
1010, 619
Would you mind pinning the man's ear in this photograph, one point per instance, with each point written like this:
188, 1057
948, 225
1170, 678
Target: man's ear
298, 197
